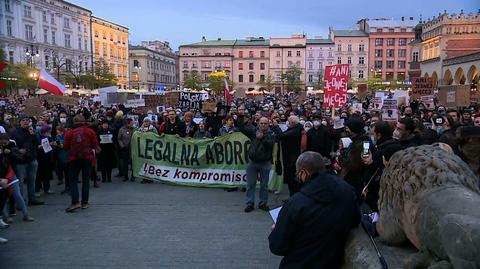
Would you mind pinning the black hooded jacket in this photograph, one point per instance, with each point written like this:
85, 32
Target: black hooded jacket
313, 226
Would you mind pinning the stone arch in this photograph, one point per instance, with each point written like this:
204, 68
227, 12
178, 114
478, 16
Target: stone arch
472, 74
447, 77
434, 77
426, 75
460, 76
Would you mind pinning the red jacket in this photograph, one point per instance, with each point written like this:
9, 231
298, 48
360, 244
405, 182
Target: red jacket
93, 144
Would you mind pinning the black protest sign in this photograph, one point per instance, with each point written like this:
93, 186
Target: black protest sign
190, 100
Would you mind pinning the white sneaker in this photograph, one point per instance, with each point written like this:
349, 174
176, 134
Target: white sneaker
3, 240
3, 225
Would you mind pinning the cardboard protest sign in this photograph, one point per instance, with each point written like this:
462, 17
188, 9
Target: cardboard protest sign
428, 101
357, 107
209, 106
33, 106
190, 100
390, 110
454, 95
362, 90
475, 97
167, 99
422, 87
377, 102
336, 83
64, 100
135, 103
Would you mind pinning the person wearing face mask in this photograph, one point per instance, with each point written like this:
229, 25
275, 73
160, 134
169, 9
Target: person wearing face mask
405, 133
291, 148
61, 120
313, 225
385, 147
468, 140
318, 139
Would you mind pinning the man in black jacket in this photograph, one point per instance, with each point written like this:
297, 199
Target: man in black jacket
318, 139
26, 160
313, 226
260, 162
291, 148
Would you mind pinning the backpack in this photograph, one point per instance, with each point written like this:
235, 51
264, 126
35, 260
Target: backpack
80, 144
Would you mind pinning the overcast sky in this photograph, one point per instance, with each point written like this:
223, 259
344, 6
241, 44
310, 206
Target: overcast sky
186, 21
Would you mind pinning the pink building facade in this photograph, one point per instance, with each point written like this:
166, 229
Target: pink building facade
352, 47
285, 53
319, 53
251, 63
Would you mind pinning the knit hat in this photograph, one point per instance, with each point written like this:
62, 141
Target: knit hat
22, 117
355, 124
45, 128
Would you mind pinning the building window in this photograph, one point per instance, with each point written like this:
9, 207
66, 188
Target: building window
390, 53
297, 64
278, 53
85, 45
390, 64
415, 57
310, 65
240, 78
403, 30
378, 41
250, 54
80, 43
46, 61
9, 28
349, 60
390, 41
402, 53
349, 47
320, 65
251, 78
226, 64
66, 22
27, 11
250, 66
290, 64
240, 66
361, 47
45, 36
379, 30
339, 60
378, 64
320, 54
401, 64
339, 47
185, 64
29, 32
262, 78
289, 53
67, 41
52, 18
53, 38
68, 65
7, 6
262, 66
310, 54
310, 78
240, 54
402, 41
10, 57
44, 16
361, 60
298, 53
262, 54
360, 73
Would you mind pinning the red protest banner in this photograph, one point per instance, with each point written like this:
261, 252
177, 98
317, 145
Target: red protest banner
336, 83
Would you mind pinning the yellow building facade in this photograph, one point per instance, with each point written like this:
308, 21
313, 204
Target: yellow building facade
110, 44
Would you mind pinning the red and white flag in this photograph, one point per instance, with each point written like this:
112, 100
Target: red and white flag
49, 83
228, 95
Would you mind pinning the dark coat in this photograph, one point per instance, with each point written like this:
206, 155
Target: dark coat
175, 128
27, 141
318, 140
261, 150
313, 226
414, 140
106, 158
291, 148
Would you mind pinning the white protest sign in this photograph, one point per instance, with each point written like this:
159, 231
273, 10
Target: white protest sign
427, 100
106, 139
390, 110
134, 103
46, 145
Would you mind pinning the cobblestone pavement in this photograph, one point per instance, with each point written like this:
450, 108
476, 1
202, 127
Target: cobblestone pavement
133, 225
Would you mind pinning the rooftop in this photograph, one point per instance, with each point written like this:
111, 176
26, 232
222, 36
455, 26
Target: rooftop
327, 41
212, 43
104, 22
163, 53
252, 42
383, 22
350, 33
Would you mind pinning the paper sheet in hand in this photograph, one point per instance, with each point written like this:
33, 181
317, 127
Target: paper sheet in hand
274, 213
106, 139
46, 145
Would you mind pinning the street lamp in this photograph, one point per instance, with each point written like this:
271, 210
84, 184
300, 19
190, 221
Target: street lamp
31, 54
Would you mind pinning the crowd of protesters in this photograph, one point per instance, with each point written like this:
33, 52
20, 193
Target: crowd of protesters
95, 139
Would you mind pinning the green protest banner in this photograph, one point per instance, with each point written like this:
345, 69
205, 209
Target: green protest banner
220, 162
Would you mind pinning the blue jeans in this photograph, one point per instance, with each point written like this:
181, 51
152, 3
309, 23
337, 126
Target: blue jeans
17, 196
258, 171
85, 166
27, 172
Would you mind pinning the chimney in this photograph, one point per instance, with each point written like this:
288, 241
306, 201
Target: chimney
403, 18
204, 39
411, 18
219, 39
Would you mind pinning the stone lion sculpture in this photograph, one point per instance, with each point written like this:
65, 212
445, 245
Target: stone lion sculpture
431, 197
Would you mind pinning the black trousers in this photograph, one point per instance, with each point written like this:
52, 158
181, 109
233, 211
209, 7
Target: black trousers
124, 155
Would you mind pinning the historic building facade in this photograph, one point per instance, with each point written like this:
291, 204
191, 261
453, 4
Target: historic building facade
151, 69
250, 63
110, 45
54, 35
319, 53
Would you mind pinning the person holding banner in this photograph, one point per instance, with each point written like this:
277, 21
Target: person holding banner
173, 125
260, 155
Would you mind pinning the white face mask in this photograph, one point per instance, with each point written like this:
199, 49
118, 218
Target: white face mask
396, 135
307, 128
63, 120
302, 122
316, 123
324, 123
